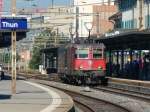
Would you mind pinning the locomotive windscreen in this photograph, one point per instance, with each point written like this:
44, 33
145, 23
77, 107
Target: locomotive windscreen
82, 53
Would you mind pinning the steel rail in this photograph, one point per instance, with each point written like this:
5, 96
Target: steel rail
132, 94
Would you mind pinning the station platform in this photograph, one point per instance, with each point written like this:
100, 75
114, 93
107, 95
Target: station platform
32, 97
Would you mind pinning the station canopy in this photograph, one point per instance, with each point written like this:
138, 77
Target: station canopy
121, 40
49, 50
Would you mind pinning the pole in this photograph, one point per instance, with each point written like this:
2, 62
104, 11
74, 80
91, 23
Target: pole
52, 4
89, 35
98, 24
140, 15
77, 22
148, 25
71, 33
13, 42
1, 7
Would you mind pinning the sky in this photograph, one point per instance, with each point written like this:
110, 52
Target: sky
29, 4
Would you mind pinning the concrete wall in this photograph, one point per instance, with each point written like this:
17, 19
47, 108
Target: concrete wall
101, 23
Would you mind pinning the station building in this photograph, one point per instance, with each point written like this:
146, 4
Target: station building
132, 14
128, 45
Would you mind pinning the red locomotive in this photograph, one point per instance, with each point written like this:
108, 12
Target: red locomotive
81, 63
77, 63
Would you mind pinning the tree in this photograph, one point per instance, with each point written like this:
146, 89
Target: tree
46, 37
36, 58
40, 42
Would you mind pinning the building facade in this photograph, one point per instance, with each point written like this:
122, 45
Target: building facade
135, 14
61, 19
101, 23
95, 12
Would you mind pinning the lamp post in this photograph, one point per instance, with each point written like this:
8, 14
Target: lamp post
77, 6
72, 33
77, 21
52, 4
89, 27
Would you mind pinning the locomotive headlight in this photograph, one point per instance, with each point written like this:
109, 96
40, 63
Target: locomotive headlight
99, 68
81, 67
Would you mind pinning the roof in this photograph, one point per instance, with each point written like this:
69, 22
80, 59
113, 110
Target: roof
49, 50
136, 40
115, 16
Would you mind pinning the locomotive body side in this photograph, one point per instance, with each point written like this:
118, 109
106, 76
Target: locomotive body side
66, 60
62, 60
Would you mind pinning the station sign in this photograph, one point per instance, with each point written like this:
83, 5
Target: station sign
112, 34
13, 24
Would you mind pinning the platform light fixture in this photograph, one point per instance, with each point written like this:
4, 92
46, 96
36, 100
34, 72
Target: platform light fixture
89, 27
72, 33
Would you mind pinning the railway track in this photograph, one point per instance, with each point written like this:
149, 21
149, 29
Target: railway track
86, 104
82, 107
142, 96
122, 92
92, 105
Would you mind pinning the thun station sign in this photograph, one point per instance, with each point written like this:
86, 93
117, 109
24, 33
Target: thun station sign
16, 24
10, 24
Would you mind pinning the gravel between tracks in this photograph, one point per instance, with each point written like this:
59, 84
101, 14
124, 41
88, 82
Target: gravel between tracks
130, 104
95, 103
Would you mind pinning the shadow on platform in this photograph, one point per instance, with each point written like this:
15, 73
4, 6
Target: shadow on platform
35, 92
7, 77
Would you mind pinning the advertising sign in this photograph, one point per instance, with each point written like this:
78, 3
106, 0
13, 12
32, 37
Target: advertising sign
13, 24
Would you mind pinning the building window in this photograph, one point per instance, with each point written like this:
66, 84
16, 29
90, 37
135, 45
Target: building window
130, 24
127, 4
147, 1
118, 24
147, 21
135, 23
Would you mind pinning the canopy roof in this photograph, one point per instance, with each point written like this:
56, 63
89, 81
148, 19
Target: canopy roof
136, 40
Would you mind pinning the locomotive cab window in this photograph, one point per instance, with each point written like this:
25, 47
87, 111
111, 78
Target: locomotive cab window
82, 53
97, 53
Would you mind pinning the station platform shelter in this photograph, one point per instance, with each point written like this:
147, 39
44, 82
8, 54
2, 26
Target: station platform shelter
128, 54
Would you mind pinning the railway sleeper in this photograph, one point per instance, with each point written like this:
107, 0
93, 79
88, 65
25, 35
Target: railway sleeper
84, 80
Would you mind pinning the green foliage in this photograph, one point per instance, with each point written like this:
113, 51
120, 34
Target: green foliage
36, 58
18, 57
40, 41
6, 57
46, 37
